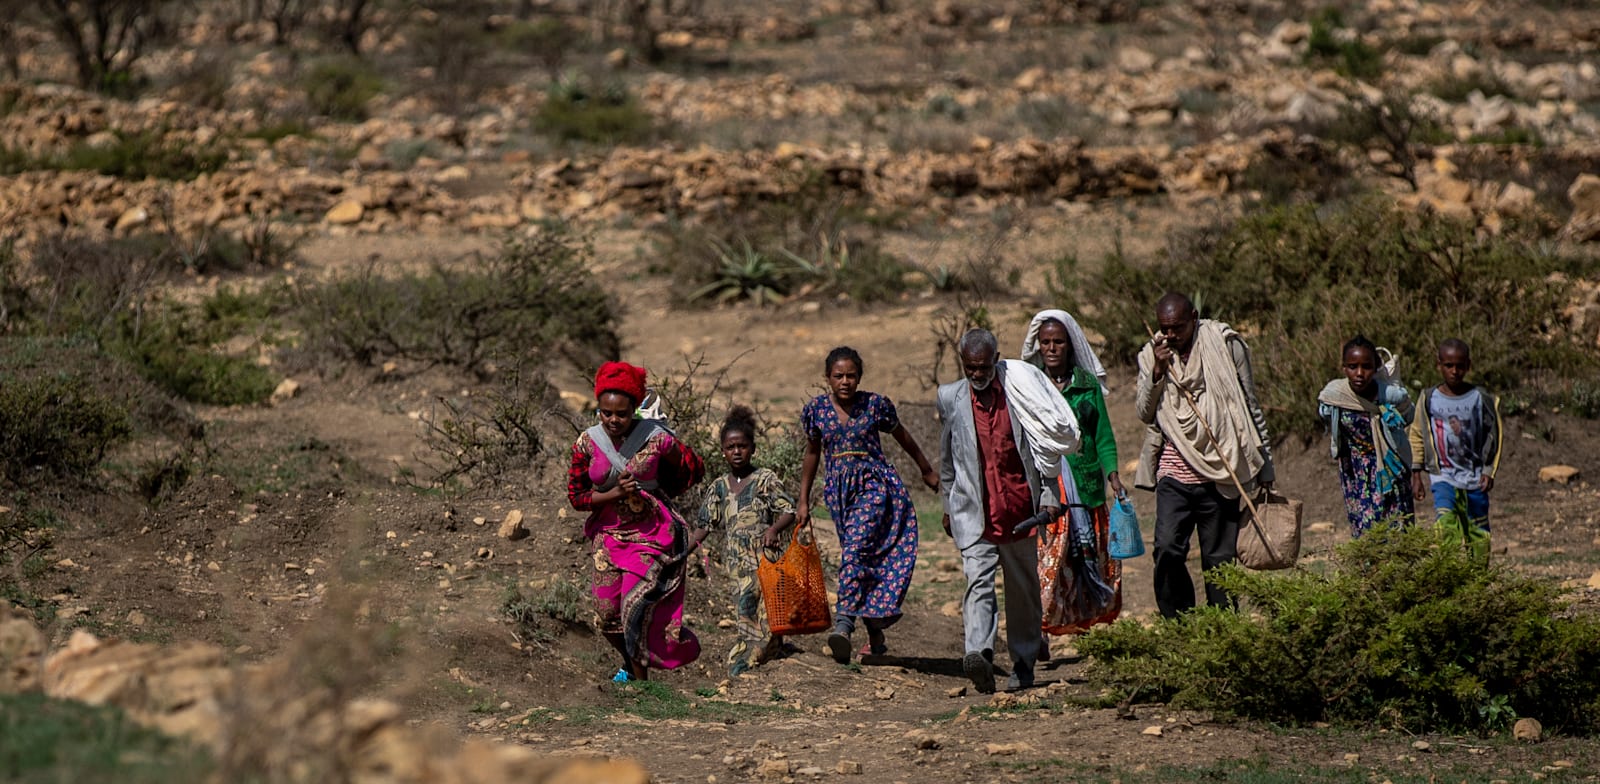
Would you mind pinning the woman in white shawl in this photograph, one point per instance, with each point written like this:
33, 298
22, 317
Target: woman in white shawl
1058, 346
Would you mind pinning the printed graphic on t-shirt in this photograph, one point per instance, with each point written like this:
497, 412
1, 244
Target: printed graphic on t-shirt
1458, 432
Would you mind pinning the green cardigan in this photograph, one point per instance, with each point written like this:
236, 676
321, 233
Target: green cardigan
1098, 456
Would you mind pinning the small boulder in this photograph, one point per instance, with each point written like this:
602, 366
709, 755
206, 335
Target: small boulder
1561, 474
286, 390
774, 768
345, 213
511, 527
847, 768
132, 219
1528, 730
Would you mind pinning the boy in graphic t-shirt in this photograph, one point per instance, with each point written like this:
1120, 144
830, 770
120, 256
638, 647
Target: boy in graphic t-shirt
1456, 439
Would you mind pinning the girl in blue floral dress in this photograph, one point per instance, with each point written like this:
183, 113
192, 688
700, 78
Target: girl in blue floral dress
869, 504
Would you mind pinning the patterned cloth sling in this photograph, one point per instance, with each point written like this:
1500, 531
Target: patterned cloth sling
666, 572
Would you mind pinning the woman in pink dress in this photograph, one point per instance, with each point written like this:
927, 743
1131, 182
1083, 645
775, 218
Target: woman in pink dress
623, 471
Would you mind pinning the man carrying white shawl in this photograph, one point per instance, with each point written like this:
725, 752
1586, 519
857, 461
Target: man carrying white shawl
1001, 447
1187, 470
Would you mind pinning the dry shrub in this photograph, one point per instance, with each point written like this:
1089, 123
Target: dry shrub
535, 298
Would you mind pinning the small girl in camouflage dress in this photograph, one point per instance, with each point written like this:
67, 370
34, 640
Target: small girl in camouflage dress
750, 507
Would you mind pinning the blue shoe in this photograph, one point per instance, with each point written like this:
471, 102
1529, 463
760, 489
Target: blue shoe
622, 676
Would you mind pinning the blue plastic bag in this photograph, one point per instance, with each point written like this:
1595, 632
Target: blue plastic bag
1126, 542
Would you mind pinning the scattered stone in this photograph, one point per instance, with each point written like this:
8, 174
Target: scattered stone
1005, 749
511, 527
1529, 730
1563, 474
1594, 581
136, 618
617, 59
959, 691
1422, 745
1153, 730
1320, 527
1351, 757
809, 770
847, 768
345, 213
950, 609
1134, 60
922, 740
774, 768
131, 219
287, 389
22, 648
1515, 199
884, 692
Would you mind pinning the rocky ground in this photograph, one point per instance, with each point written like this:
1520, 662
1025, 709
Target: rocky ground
1037, 128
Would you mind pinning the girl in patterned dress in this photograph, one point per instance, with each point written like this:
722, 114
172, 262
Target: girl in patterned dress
1367, 415
750, 507
869, 504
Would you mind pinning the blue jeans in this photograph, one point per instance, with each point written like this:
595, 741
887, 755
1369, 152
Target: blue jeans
1462, 517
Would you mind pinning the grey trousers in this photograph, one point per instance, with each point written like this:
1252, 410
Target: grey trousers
1024, 611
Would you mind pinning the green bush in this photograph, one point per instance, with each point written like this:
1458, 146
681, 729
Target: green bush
535, 298
1351, 58
817, 239
541, 614
1299, 281
341, 88
173, 346
1456, 88
57, 426
1402, 632
142, 155
48, 740
573, 110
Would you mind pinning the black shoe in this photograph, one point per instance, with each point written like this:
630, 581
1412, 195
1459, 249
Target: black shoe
839, 647
980, 671
1019, 680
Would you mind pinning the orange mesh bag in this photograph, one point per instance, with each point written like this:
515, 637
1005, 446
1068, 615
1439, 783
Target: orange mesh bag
793, 587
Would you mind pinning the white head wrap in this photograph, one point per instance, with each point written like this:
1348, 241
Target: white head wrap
1082, 353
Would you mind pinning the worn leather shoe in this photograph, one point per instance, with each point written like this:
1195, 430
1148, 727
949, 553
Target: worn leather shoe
839, 647
980, 671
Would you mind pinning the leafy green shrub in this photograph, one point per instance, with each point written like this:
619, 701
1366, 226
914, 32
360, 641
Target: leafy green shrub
541, 613
173, 346
146, 154
1300, 280
55, 426
816, 240
45, 740
574, 110
342, 87
1514, 134
747, 273
1456, 88
1401, 632
1349, 57
534, 297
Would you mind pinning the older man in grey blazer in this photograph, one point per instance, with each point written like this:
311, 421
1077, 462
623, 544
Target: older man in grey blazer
991, 484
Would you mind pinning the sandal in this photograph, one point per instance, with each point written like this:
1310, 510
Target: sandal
876, 645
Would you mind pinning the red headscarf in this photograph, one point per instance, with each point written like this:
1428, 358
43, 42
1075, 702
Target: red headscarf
620, 377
